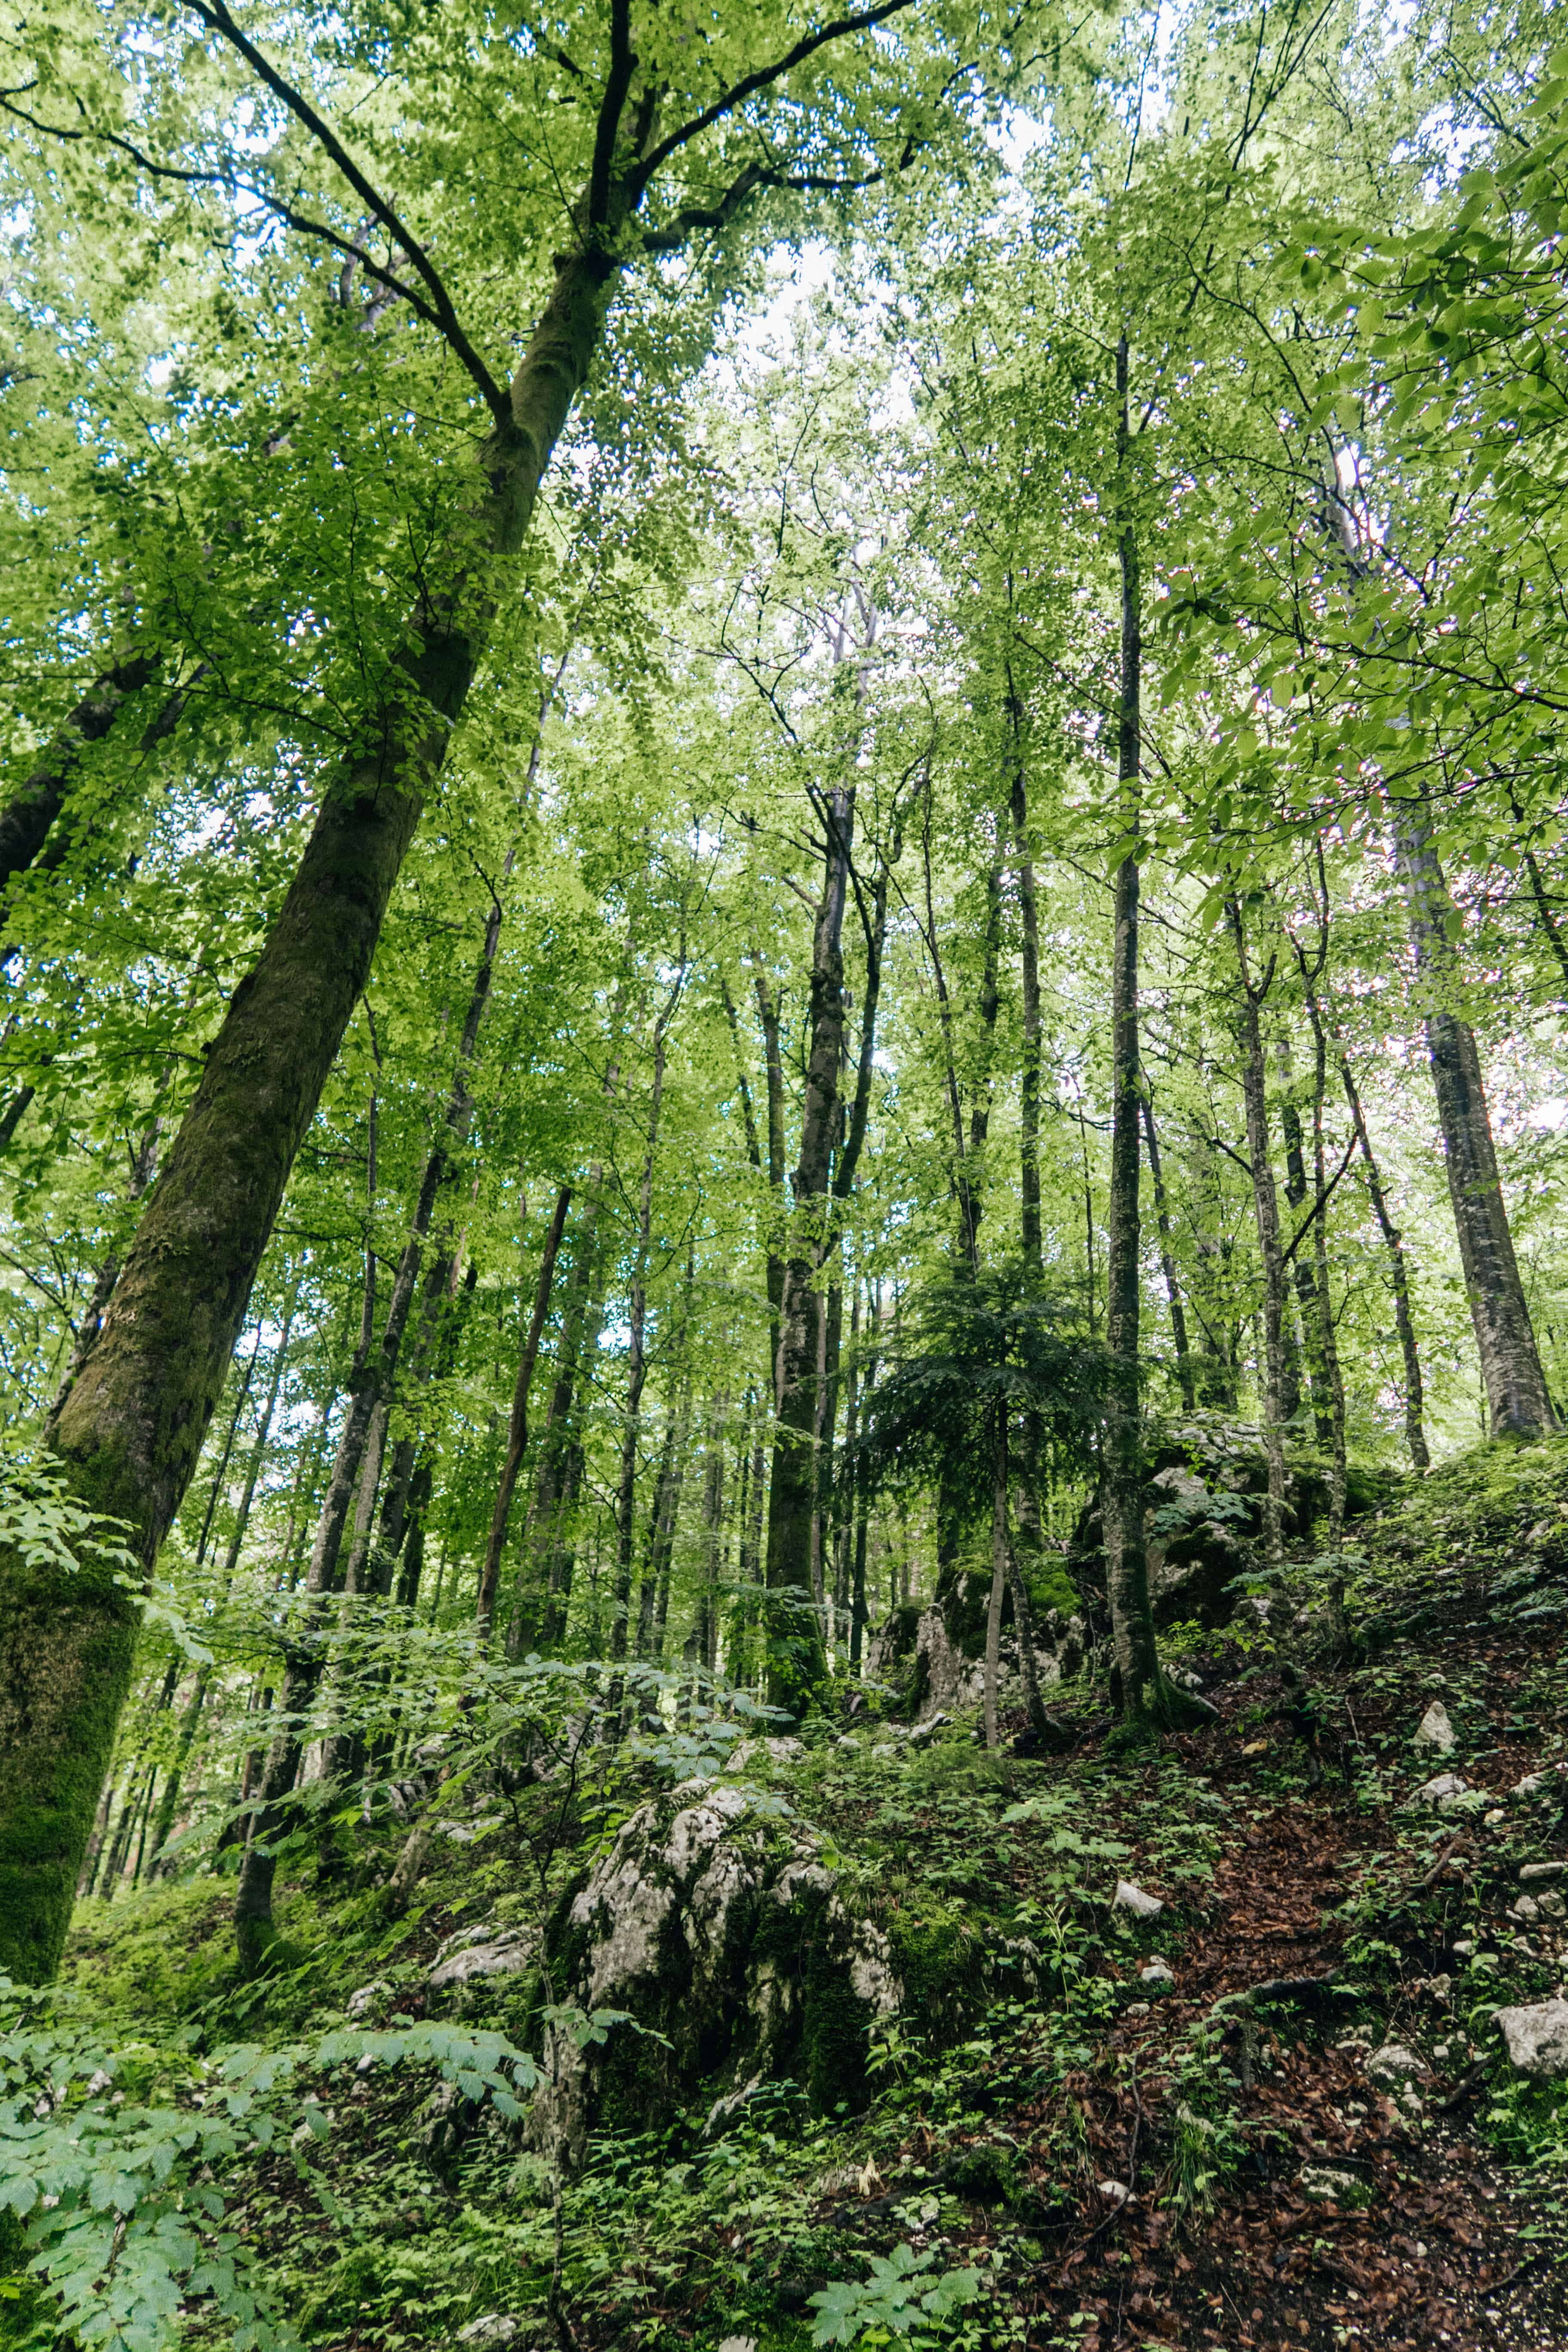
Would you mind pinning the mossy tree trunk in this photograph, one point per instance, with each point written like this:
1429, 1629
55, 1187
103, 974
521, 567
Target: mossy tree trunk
1167, 1260
129, 1430
1517, 1398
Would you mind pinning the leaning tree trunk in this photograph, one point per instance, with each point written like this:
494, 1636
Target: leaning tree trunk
1517, 1397
26, 818
132, 1427
1126, 1560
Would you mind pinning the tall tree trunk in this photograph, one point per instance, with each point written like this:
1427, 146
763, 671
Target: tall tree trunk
517, 1435
796, 1662
636, 1354
131, 1428
705, 1644
221, 1473
1265, 1211
1415, 1402
1126, 1562
1303, 1272
999, 1551
1326, 1358
1517, 1396
531, 1609
1168, 1262
169, 1802
1030, 1107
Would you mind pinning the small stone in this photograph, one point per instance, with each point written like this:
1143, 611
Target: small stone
1137, 2009
1157, 1973
1115, 2192
1393, 2063
1550, 1905
1526, 1908
1540, 1873
1463, 1948
1440, 1987
1326, 2184
738, 2343
1435, 1730
1442, 1790
493, 2327
361, 2003
845, 1739
1129, 1897
1537, 2037
1489, 1820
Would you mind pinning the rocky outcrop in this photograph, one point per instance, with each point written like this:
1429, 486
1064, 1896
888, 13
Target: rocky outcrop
935, 1659
1203, 1514
713, 1949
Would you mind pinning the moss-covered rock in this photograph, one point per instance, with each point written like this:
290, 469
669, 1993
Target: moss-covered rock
712, 1949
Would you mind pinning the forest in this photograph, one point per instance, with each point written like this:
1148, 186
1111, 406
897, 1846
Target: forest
783, 1152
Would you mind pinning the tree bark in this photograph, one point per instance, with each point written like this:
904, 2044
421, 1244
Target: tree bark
1168, 1262
999, 1551
1126, 1562
1517, 1397
796, 1662
517, 1435
130, 1430
1030, 1107
1414, 1432
1265, 1211
25, 819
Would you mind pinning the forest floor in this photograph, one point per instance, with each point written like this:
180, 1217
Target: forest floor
1217, 2156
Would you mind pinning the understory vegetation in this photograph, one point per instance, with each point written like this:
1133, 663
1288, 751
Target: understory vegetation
784, 1311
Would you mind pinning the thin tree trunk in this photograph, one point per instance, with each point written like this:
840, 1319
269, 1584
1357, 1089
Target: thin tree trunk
169, 1803
999, 1550
1168, 1262
222, 1471
1126, 1562
1029, 1108
1415, 1402
517, 1437
1265, 1211
95, 1842
1326, 1362
636, 1357
1517, 1396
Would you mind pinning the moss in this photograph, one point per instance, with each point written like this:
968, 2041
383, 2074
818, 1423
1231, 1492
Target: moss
835, 2038
1050, 1585
156, 1957
939, 1962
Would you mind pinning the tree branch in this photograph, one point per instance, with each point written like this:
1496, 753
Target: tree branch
765, 76
215, 15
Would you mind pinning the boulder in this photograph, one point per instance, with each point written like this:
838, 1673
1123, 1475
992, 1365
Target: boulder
711, 1949
1537, 2037
1129, 1898
1434, 1731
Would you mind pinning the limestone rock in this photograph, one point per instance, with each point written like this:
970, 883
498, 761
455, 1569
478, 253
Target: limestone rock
1129, 1897
369, 1997
1393, 2063
722, 1936
486, 1951
1441, 1790
1537, 2037
1157, 1975
1435, 1732
1327, 2184
1540, 1873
